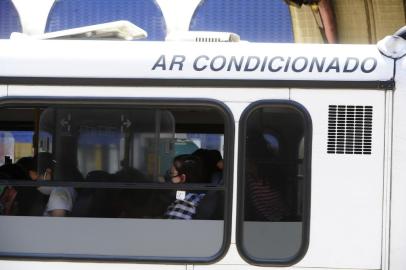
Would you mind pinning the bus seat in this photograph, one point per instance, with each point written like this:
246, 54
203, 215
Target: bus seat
210, 207
89, 200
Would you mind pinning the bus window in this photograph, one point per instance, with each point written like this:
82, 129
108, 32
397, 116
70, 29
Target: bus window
105, 171
274, 183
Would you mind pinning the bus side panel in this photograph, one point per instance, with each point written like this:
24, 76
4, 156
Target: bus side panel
346, 188
39, 265
239, 95
398, 200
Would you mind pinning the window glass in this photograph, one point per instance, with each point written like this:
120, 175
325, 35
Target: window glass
108, 182
274, 183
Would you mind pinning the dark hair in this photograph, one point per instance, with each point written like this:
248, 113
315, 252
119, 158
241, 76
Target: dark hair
13, 171
190, 166
27, 163
209, 157
214, 156
44, 161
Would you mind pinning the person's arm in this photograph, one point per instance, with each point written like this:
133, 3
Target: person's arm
57, 213
60, 202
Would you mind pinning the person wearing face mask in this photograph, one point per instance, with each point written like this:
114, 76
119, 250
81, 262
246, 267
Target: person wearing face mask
185, 169
61, 199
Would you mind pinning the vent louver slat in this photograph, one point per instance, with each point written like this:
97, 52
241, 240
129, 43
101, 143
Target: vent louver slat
349, 129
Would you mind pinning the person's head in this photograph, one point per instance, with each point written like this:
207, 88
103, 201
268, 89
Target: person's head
46, 165
215, 160
29, 165
186, 168
13, 171
220, 165
211, 161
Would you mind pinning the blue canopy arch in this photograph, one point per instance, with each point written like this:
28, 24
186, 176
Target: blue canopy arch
146, 14
9, 19
254, 20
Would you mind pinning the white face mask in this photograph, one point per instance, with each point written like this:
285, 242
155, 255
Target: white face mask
45, 190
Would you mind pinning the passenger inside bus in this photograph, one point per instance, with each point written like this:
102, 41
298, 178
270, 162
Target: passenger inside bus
266, 201
212, 164
210, 205
123, 156
92, 202
61, 199
266, 174
132, 203
13, 199
31, 202
185, 169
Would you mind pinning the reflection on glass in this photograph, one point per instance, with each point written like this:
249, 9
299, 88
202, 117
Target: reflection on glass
111, 163
273, 201
105, 168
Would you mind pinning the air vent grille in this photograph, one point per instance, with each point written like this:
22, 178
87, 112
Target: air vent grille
349, 129
208, 39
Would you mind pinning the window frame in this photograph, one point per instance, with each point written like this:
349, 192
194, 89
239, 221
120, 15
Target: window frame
308, 129
150, 103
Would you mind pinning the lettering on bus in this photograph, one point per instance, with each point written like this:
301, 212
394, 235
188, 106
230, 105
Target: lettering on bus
267, 64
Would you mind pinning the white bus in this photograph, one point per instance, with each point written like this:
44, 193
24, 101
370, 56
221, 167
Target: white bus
312, 139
